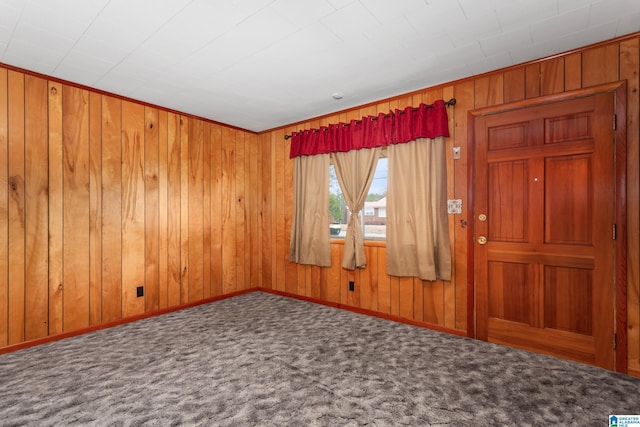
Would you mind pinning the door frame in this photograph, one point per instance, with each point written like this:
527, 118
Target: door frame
619, 89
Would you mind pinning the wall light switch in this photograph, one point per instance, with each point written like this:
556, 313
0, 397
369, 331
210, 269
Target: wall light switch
454, 206
456, 153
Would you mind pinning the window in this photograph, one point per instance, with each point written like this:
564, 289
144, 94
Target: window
374, 220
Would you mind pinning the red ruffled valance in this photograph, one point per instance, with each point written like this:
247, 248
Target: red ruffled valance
426, 121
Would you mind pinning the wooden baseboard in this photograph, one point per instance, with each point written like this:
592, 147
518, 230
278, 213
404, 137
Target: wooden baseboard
371, 313
56, 337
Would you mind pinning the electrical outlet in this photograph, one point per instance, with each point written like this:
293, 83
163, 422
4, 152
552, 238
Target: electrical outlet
140, 291
352, 285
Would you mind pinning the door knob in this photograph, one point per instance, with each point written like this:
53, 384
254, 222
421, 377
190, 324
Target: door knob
482, 240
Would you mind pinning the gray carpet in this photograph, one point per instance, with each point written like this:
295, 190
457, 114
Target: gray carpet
265, 360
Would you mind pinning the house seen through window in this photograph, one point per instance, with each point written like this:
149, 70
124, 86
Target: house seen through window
374, 214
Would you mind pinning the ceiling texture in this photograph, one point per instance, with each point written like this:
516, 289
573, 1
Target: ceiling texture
261, 64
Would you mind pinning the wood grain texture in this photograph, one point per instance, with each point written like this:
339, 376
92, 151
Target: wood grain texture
4, 210
629, 66
552, 76
184, 209
600, 65
239, 201
16, 238
133, 219
95, 208
216, 210
111, 209
55, 208
151, 210
206, 211
228, 214
196, 211
174, 210
163, 209
75, 143
36, 212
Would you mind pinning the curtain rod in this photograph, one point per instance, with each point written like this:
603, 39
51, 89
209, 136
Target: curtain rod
452, 101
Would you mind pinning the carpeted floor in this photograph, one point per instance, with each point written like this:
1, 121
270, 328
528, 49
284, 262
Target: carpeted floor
265, 360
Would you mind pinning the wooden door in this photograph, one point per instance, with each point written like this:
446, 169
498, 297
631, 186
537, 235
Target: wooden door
544, 228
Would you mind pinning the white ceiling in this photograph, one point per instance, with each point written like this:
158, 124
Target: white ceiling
260, 64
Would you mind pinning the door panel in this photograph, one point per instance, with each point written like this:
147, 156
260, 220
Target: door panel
545, 201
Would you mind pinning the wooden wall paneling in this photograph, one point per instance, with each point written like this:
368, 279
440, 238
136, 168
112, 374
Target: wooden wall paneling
174, 181
16, 207
206, 211
133, 230
450, 287
304, 279
629, 65
333, 275
384, 282
55, 208
228, 211
464, 94
4, 210
36, 209
600, 64
95, 208
430, 96
433, 303
418, 299
151, 209
267, 165
216, 210
573, 71
318, 286
406, 297
239, 199
248, 214
281, 252
394, 293
163, 209
513, 85
255, 186
293, 284
195, 234
75, 140
343, 279
353, 297
184, 209
111, 209
489, 90
532, 80
552, 76
369, 280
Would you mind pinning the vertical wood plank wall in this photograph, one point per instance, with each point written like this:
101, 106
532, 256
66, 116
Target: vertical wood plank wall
444, 304
100, 195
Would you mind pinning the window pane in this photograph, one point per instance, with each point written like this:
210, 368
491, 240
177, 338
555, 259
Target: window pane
374, 220
375, 207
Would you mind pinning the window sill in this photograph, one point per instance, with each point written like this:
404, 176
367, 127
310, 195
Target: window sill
371, 243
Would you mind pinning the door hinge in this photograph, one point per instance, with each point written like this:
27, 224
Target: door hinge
615, 122
615, 342
614, 231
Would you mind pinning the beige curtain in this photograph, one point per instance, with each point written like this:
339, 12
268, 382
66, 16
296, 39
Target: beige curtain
417, 223
310, 226
355, 170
